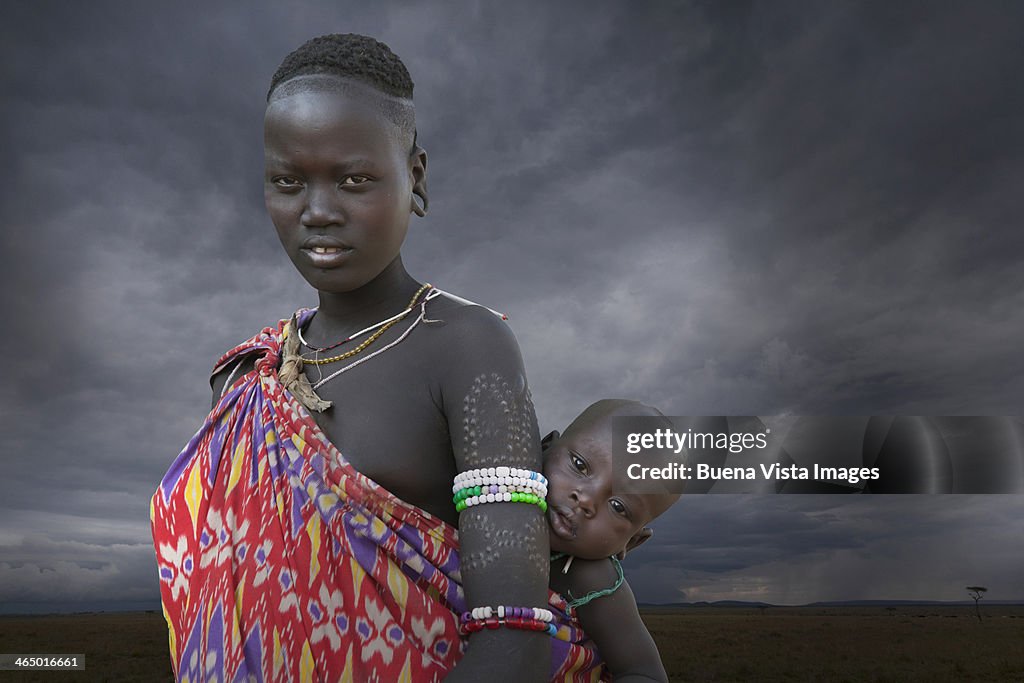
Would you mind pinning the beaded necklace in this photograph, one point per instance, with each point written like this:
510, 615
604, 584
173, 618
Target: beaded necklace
294, 379
360, 333
382, 327
420, 318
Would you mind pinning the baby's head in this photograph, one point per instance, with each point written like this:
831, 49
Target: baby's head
341, 161
585, 517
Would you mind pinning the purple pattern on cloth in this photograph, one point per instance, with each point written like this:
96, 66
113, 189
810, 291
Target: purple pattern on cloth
214, 645
180, 464
363, 628
191, 655
297, 521
251, 670
363, 548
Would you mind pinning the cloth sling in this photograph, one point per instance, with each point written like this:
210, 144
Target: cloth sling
278, 561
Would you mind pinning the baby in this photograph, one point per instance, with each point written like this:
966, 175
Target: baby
591, 529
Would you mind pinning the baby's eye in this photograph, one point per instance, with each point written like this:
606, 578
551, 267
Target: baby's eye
354, 180
618, 507
579, 463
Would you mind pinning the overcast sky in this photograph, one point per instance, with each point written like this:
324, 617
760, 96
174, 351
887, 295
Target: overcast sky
716, 208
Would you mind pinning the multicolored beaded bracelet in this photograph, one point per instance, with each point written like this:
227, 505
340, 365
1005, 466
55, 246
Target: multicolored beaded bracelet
499, 485
496, 490
504, 484
475, 497
502, 611
509, 476
525, 618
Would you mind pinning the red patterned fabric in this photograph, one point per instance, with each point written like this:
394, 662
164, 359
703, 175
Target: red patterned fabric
278, 561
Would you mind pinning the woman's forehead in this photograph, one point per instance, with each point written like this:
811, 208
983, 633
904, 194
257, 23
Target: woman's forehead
331, 83
320, 106
307, 110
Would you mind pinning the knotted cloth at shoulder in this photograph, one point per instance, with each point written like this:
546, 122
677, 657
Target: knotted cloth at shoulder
291, 375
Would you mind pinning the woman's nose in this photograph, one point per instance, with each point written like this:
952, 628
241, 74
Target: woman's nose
322, 207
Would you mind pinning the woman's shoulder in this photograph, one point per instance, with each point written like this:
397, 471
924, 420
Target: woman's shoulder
240, 359
267, 339
464, 323
468, 343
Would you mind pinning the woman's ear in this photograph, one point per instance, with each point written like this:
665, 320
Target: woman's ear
635, 541
418, 162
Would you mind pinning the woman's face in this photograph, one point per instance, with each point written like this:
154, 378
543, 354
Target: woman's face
338, 183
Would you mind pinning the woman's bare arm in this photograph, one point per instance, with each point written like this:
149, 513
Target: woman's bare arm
504, 546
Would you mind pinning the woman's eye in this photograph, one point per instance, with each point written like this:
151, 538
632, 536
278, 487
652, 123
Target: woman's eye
618, 507
354, 180
286, 182
579, 463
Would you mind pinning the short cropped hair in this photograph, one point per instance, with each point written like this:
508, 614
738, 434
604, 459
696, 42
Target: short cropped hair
609, 406
358, 58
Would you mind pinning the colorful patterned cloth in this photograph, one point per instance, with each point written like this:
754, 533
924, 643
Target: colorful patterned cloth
278, 561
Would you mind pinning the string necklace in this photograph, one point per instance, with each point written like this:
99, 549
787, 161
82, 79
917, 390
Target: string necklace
419, 318
576, 603
294, 378
381, 327
360, 333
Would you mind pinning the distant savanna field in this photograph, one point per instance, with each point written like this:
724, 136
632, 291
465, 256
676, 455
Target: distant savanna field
704, 644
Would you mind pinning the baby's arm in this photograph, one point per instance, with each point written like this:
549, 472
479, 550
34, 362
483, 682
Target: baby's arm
614, 624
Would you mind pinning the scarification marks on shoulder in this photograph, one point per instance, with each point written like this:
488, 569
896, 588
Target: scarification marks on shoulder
496, 411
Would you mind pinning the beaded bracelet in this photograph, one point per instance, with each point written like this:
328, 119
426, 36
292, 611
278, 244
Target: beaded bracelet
509, 476
502, 611
496, 490
525, 618
503, 484
476, 497
499, 485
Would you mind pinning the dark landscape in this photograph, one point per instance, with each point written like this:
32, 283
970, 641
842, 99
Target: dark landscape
876, 643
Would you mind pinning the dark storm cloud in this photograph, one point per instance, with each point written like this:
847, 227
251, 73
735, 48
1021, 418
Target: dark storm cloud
714, 208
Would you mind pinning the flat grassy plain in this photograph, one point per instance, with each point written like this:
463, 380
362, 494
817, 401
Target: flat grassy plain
840, 644
700, 644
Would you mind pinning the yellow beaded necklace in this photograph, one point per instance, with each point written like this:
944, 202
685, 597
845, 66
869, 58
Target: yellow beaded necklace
384, 327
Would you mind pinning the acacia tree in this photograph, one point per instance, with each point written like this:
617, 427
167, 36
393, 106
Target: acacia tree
977, 592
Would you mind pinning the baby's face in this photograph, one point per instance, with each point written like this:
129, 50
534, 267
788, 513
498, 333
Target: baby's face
338, 182
585, 518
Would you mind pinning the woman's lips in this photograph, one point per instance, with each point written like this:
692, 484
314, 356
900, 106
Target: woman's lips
560, 522
327, 256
